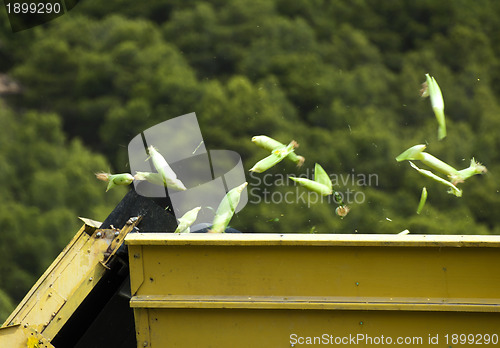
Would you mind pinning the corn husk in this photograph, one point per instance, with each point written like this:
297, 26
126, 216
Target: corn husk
271, 144
226, 209
113, 180
168, 176
187, 220
276, 156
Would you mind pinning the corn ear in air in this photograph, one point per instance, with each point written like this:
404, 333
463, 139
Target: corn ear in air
313, 186
321, 183
276, 156
411, 154
320, 176
437, 103
271, 144
157, 179
453, 189
423, 198
417, 153
187, 220
226, 209
456, 176
167, 174
153, 178
474, 169
115, 179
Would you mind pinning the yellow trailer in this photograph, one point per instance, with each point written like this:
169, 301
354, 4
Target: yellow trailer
290, 290
260, 290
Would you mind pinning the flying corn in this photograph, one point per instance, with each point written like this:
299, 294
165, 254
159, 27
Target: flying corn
153, 178
276, 156
417, 153
271, 144
431, 89
453, 189
168, 176
473, 169
321, 183
157, 179
115, 179
423, 198
187, 220
226, 209
456, 176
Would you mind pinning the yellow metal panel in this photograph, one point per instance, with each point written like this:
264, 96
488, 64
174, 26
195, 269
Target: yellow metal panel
12, 336
65, 284
75, 298
69, 274
136, 267
242, 328
35, 339
256, 290
26, 337
24, 305
324, 303
228, 239
374, 271
48, 302
142, 327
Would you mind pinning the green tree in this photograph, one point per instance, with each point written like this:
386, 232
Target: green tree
93, 74
47, 182
342, 78
6, 305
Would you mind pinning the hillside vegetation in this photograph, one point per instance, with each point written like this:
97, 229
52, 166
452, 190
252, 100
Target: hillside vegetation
342, 78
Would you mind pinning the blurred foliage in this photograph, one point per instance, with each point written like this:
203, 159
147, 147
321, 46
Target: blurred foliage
340, 77
6, 305
47, 182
